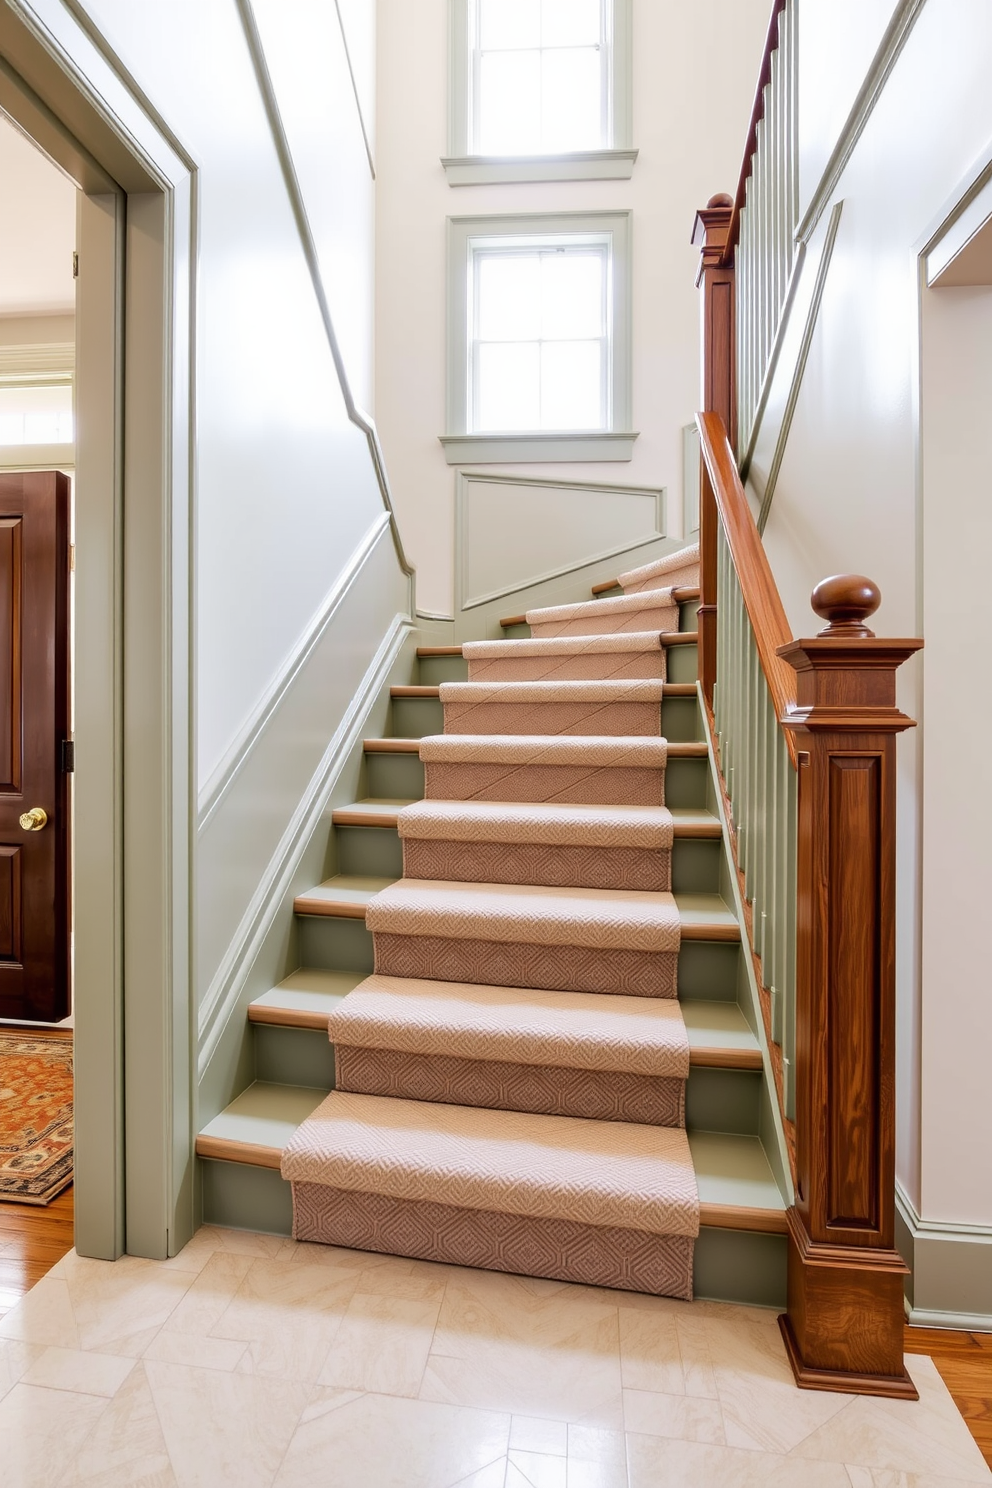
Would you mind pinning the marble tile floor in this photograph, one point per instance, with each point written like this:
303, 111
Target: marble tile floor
251, 1360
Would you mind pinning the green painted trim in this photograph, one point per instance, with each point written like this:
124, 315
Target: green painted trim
951, 1265
511, 449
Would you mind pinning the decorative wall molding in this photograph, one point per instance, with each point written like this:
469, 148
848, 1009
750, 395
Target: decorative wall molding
952, 1269
896, 35
221, 998
800, 367
239, 752
497, 579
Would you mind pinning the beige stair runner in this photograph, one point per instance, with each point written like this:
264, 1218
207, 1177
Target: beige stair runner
510, 1048
585, 846
654, 610
620, 707
567, 658
678, 570
585, 771
511, 1080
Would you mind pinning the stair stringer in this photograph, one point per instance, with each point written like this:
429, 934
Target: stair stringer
268, 947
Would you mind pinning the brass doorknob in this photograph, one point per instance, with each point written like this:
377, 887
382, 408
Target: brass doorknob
35, 819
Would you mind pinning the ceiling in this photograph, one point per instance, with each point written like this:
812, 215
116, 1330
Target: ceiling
37, 230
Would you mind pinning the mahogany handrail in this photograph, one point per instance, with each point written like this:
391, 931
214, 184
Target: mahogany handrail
751, 144
758, 588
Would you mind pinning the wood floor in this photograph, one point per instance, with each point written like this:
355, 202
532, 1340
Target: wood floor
32, 1239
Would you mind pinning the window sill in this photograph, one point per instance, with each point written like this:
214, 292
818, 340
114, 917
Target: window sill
507, 449
582, 165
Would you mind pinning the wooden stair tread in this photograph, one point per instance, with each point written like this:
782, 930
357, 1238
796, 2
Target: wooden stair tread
258, 1123
391, 746
345, 896
514, 620
439, 651
305, 999
669, 689
719, 1037
737, 1189
690, 822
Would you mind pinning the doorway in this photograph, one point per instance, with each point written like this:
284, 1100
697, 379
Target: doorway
135, 240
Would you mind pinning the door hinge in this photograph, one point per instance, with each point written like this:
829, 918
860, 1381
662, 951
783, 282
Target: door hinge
75, 265
72, 557
68, 756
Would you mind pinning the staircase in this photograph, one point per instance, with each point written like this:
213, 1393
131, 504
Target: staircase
556, 1065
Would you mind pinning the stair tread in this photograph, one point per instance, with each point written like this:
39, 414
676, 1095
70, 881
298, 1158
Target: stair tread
630, 821
621, 750
439, 651
732, 1172
595, 609
718, 1033
595, 1172
391, 746
623, 689
305, 999
703, 916
666, 689
258, 1123
658, 567
568, 645
374, 811
575, 1030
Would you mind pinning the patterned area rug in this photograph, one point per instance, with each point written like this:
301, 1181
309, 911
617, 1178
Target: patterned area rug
35, 1117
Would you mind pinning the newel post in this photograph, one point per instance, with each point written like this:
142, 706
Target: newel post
719, 395
844, 1326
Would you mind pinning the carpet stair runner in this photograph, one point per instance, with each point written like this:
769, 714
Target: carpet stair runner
574, 1170
510, 1082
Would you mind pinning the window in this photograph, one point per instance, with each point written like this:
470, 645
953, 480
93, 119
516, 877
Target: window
35, 415
538, 353
539, 90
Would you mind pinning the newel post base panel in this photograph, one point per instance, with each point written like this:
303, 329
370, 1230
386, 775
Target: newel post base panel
718, 366
845, 1317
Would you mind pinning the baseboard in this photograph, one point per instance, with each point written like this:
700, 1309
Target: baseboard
951, 1284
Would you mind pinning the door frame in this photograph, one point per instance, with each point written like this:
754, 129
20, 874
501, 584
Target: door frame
133, 887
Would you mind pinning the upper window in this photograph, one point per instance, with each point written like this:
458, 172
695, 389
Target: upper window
539, 338
539, 90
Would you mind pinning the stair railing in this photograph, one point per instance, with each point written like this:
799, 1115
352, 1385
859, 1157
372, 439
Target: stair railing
805, 736
761, 237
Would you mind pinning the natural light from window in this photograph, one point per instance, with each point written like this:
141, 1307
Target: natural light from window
540, 342
36, 415
539, 70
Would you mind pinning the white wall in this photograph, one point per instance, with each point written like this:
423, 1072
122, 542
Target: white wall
286, 489
858, 494
694, 74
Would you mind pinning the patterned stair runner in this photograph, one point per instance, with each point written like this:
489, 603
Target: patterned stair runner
510, 1083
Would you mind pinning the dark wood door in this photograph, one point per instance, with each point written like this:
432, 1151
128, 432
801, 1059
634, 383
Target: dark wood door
34, 757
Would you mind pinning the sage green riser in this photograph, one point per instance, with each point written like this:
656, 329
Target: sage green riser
682, 664
394, 777
514, 632
377, 852
433, 670
717, 1100
708, 970
416, 717
730, 1265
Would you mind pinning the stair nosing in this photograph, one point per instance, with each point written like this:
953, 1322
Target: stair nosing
359, 815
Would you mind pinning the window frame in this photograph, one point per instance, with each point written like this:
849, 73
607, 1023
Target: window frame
466, 235
464, 167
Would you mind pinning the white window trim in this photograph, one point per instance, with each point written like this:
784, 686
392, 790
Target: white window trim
615, 443
615, 163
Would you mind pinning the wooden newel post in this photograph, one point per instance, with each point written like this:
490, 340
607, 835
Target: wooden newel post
718, 367
844, 1326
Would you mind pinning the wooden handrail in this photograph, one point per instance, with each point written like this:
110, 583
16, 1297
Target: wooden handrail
758, 588
751, 145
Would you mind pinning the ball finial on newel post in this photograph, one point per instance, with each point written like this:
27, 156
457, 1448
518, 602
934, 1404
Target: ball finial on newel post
845, 602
